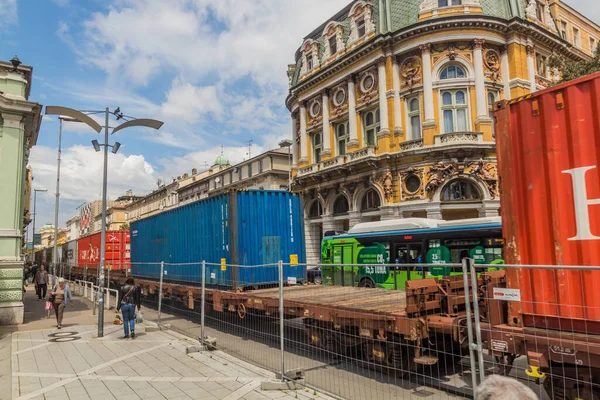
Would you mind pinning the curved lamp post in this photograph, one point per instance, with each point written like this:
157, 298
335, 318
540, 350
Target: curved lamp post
86, 119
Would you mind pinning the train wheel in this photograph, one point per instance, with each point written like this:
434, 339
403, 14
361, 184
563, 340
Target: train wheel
241, 311
318, 337
376, 352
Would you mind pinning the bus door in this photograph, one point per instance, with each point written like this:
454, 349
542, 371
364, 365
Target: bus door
408, 253
343, 273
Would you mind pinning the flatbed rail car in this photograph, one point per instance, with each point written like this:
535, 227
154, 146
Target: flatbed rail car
396, 329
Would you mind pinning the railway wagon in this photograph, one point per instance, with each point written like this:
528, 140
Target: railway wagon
548, 157
255, 228
69, 257
117, 256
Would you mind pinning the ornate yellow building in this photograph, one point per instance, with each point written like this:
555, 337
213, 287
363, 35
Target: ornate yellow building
391, 104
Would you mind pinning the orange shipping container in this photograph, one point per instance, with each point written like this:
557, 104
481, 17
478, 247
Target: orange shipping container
549, 167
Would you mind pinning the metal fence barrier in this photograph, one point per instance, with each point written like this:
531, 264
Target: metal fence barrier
387, 331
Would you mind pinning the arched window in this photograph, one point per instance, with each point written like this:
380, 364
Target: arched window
317, 147
341, 133
453, 72
316, 210
455, 110
341, 205
461, 190
370, 201
372, 127
449, 3
414, 116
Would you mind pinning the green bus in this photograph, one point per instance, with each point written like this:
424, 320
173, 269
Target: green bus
386, 254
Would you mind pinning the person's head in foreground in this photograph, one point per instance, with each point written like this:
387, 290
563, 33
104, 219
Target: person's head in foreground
61, 283
497, 387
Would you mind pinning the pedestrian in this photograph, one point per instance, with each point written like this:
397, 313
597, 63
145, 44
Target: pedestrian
41, 281
60, 296
129, 297
497, 387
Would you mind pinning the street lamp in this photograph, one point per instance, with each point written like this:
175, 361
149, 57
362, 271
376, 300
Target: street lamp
86, 119
288, 143
33, 235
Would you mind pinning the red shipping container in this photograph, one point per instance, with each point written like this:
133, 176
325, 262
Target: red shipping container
549, 166
117, 250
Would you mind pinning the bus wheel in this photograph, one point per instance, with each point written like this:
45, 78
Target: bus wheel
367, 283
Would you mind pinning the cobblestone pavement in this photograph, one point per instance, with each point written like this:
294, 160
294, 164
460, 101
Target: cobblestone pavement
74, 364
38, 361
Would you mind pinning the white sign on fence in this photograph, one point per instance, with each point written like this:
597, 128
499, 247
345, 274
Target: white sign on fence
507, 294
291, 280
213, 275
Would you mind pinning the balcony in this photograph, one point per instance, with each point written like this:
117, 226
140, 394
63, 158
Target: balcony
447, 141
458, 138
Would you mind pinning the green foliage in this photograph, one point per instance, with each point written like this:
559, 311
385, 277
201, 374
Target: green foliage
570, 69
124, 227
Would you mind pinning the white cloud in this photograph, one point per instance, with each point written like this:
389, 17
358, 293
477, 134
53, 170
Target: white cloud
81, 172
189, 103
8, 13
197, 38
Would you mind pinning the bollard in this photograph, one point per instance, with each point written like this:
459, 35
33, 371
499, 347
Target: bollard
281, 326
160, 293
202, 336
477, 322
469, 325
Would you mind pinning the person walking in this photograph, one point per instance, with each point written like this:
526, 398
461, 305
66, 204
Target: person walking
129, 297
61, 298
41, 282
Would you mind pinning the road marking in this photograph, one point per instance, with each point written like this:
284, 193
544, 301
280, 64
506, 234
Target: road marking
87, 372
241, 379
244, 390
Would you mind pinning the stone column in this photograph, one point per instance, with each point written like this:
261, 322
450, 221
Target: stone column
353, 142
294, 143
383, 109
326, 128
303, 156
531, 68
429, 125
483, 122
397, 111
12, 179
505, 72
353, 218
480, 94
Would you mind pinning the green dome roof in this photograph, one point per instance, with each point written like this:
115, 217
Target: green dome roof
222, 160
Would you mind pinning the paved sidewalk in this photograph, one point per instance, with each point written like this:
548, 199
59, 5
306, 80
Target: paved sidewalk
73, 363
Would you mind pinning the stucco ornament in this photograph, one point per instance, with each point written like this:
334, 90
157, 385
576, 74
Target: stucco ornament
492, 63
437, 175
488, 174
411, 71
548, 19
531, 10
388, 188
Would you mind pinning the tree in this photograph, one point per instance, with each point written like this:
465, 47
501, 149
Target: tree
571, 69
124, 227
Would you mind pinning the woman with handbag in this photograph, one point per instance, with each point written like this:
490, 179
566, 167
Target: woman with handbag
129, 297
60, 297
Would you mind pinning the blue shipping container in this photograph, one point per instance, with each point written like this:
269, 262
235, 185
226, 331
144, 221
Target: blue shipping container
249, 231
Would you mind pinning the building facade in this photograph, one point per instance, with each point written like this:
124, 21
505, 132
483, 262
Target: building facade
73, 228
162, 199
267, 171
20, 121
391, 104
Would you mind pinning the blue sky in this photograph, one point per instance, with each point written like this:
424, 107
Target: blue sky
213, 70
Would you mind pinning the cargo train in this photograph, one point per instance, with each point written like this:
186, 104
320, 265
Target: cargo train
548, 154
